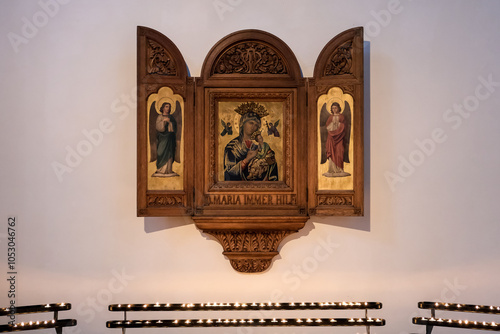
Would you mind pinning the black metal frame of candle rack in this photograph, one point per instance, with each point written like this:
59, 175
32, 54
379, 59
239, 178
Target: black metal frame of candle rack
432, 321
246, 322
57, 324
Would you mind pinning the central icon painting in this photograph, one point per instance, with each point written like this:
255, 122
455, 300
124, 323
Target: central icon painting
250, 146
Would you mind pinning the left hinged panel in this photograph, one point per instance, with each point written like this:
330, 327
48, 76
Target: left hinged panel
165, 123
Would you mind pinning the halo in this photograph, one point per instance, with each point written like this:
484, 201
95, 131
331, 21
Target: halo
161, 100
338, 100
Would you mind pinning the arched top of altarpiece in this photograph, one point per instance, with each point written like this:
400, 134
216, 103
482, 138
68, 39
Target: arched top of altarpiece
342, 57
159, 59
250, 55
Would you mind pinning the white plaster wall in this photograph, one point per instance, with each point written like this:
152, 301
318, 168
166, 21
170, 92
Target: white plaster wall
431, 234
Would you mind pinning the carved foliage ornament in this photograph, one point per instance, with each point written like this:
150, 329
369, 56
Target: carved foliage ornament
250, 241
162, 201
159, 60
335, 200
250, 265
341, 60
250, 58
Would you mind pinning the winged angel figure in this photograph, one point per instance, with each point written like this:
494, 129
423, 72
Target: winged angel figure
335, 129
165, 136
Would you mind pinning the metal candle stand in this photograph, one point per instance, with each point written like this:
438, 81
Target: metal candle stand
248, 322
57, 324
453, 307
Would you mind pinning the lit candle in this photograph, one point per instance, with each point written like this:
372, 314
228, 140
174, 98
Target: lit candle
318, 320
333, 320
299, 320
262, 320
283, 320
157, 304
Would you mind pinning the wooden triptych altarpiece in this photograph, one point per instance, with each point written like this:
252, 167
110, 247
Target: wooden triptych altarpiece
250, 149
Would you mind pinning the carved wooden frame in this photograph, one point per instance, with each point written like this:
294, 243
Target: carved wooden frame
248, 66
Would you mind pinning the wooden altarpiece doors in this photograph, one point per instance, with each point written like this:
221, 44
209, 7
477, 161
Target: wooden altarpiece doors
250, 149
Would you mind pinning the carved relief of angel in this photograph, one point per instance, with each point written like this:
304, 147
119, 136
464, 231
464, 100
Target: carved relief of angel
165, 135
335, 129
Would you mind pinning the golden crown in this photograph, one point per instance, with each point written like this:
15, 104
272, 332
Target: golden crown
255, 134
254, 107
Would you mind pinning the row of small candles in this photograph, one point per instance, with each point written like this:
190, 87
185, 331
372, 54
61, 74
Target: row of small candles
34, 323
247, 306
248, 322
36, 308
460, 307
456, 323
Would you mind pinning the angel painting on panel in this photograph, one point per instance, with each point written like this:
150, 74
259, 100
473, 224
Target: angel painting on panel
335, 128
228, 128
165, 127
272, 128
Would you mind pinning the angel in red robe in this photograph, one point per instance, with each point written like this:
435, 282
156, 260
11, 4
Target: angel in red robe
335, 135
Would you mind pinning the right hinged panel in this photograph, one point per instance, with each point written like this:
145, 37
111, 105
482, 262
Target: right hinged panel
335, 105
